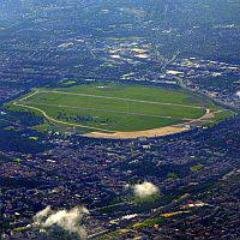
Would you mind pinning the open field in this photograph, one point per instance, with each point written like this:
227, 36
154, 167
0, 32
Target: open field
117, 111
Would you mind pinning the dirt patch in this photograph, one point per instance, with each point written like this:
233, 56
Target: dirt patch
158, 132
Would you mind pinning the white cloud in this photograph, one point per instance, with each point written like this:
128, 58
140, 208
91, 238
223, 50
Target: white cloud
67, 220
145, 189
238, 93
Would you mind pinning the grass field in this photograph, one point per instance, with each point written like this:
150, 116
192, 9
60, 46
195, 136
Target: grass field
114, 107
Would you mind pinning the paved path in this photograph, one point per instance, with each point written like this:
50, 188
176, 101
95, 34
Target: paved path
51, 119
108, 111
122, 99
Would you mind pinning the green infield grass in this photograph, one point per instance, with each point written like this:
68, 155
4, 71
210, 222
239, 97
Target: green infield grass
114, 107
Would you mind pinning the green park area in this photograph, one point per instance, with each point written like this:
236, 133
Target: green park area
114, 107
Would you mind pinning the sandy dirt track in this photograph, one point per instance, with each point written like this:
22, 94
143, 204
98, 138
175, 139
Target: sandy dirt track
158, 132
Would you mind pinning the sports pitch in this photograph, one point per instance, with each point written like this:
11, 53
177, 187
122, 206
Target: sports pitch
113, 108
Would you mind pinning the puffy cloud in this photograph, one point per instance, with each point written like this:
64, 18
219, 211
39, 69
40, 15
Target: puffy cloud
238, 93
145, 189
42, 215
67, 221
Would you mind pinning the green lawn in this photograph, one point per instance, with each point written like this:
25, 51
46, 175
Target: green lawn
114, 107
